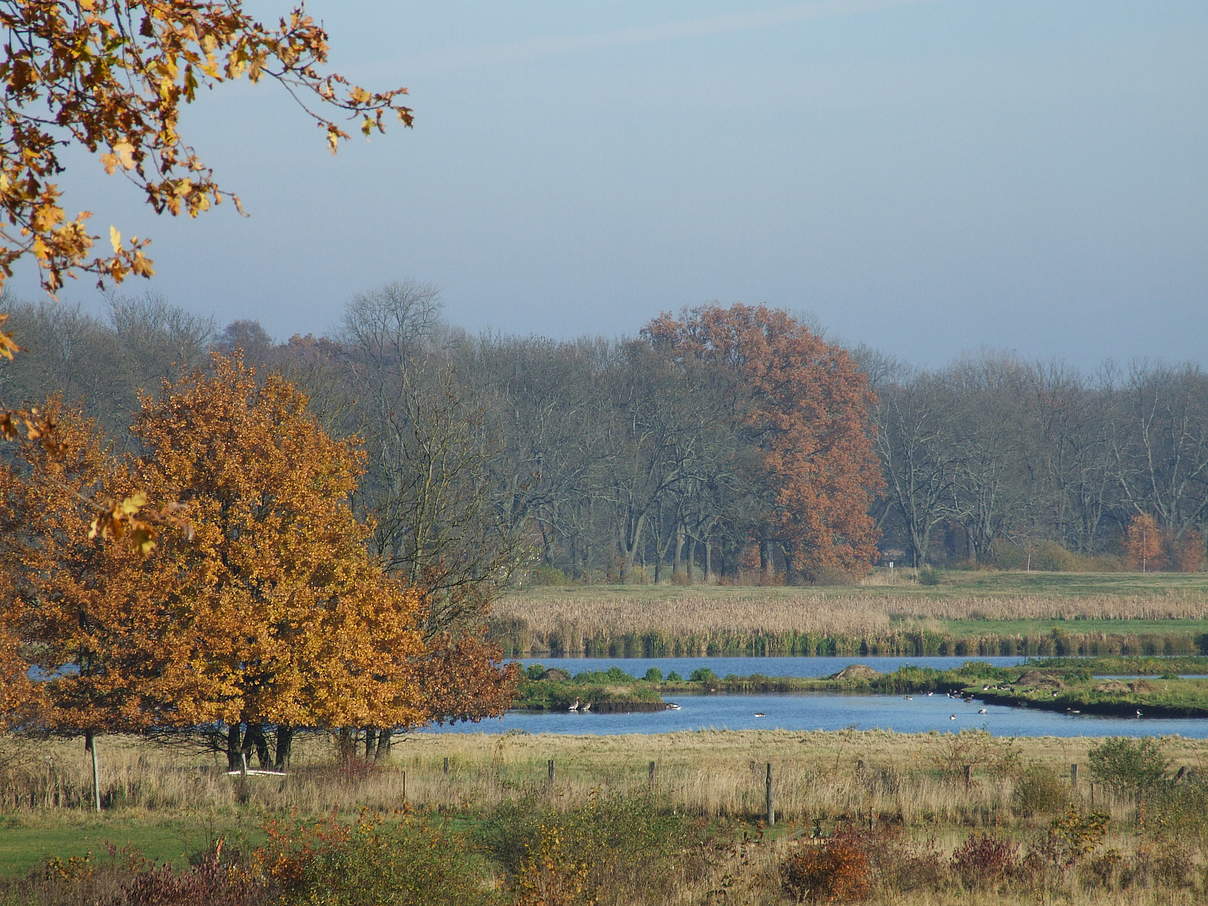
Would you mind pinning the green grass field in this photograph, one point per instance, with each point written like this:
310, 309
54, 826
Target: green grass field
953, 584
29, 839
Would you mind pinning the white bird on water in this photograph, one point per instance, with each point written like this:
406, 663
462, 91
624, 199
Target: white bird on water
574, 707
760, 714
952, 717
982, 711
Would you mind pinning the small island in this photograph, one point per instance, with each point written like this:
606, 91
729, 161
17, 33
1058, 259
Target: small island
1117, 686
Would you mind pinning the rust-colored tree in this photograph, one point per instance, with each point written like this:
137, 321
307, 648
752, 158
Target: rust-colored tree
806, 408
1143, 543
270, 616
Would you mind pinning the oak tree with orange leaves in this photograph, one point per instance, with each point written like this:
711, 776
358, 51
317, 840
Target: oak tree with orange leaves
270, 616
111, 77
805, 405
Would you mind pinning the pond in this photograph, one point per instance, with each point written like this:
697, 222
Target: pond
919, 713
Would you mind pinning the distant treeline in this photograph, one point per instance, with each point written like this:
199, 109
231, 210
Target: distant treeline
755, 452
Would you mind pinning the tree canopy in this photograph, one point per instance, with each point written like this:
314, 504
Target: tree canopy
273, 613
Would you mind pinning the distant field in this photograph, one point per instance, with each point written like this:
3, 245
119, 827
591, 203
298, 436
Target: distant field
968, 613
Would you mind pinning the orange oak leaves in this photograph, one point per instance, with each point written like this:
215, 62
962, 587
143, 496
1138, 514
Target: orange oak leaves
272, 613
806, 408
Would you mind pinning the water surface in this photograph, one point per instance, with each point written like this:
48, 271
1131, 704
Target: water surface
918, 713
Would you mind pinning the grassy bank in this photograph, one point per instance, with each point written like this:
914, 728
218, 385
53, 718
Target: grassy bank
610, 827
975, 614
1059, 685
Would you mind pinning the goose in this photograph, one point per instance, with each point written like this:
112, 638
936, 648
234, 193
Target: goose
909, 698
673, 707
760, 714
982, 711
574, 707
586, 706
952, 717
929, 694
1138, 712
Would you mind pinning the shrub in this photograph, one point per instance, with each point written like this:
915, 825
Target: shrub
621, 846
702, 675
984, 860
546, 575
674, 677
836, 872
1039, 790
998, 756
929, 575
833, 575
1133, 766
408, 863
653, 675
1178, 811
1069, 839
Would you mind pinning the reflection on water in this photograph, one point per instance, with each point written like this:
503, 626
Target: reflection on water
919, 713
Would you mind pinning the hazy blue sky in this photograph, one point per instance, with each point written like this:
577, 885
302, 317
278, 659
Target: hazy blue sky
925, 177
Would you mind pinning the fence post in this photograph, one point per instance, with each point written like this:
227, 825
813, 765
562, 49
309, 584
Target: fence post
651, 772
769, 802
445, 767
550, 769
1074, 775
968, 775
404, 787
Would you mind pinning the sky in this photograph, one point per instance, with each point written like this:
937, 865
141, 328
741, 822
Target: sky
927, 177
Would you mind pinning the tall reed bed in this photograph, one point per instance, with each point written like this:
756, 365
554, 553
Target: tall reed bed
846, 623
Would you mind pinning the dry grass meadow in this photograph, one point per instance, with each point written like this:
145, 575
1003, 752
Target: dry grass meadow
977, 613
916, 783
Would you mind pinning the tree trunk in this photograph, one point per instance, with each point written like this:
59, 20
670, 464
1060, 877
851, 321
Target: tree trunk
385, 737
90, 748
285, 743
233, 747
254, 738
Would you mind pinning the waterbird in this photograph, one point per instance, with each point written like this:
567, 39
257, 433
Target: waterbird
909, 698
574, 707
982, 711
760, 714
930, 694
1138, 712
586, 706
673, 707
952, 717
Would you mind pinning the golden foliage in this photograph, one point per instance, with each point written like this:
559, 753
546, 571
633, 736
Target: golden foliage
112, 76
271, 611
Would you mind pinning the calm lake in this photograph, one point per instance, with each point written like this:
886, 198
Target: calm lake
920, 714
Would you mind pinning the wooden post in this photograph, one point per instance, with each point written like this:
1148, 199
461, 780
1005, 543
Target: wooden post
243, 790
404, 787
1074, 775
445, 768
550, 771
968, 775
768, 800
651, 772
90, 743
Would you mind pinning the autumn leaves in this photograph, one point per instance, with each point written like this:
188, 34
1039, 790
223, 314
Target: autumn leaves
804, 405
269, 612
